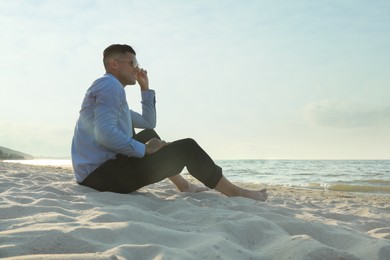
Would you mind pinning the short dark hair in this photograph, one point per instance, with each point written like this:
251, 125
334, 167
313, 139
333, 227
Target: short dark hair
115, 49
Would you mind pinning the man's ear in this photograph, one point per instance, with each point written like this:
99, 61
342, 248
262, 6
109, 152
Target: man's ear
113, 64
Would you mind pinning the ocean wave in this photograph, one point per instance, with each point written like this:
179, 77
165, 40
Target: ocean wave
359, 188
378, 182
384, 189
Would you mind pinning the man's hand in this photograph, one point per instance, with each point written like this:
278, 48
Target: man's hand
153, 145
143, 80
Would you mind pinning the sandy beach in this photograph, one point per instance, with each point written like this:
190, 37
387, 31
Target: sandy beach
45, 214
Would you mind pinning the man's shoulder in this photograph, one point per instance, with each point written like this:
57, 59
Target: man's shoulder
106, 83
107, 79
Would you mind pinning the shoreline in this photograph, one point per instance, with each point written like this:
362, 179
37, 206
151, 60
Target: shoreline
371, 185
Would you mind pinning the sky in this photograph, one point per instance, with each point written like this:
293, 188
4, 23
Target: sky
246, 79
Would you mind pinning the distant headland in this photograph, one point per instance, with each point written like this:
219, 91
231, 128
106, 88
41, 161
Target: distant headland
9, 154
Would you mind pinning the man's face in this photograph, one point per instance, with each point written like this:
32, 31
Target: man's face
127, 69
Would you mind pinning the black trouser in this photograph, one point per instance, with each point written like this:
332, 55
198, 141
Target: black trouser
127, 174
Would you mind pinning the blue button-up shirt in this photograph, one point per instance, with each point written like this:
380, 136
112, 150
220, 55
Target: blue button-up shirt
105, 126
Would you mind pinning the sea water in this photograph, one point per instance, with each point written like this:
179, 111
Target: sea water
372, 176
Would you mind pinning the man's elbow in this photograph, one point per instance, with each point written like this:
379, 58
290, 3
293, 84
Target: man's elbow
151, 125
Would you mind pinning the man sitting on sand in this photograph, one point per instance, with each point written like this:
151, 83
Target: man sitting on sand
108, 156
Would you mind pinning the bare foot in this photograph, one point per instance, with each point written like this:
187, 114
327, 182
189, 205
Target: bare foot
193, 188
260, 195
231, 190
184, 186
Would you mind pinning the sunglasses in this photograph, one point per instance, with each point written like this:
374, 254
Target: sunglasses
132, 62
